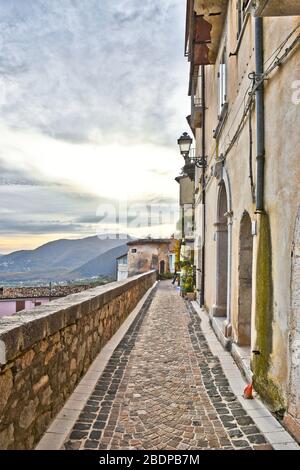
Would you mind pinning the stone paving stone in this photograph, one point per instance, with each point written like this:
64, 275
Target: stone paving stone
164, 389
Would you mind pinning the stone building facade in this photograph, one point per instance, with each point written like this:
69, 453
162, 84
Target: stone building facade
147, 254
245, 104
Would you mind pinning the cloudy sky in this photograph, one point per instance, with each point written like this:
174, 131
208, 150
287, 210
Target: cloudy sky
92, 100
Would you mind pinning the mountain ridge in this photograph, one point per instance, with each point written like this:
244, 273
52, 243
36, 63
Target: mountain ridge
107, 262
56, 260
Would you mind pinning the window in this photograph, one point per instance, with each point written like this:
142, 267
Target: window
242, 12
222, 76
133, 250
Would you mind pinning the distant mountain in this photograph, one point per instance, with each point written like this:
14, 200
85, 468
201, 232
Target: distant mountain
104, 265
55, 260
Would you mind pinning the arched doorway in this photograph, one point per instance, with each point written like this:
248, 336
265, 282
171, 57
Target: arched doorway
220, 307
162, 265
294, 395
245, 281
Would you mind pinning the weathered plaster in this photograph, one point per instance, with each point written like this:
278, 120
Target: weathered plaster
282, 179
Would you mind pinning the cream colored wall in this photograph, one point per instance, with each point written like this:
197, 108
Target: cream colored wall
186, 191
210, 248
282, 171
282, 183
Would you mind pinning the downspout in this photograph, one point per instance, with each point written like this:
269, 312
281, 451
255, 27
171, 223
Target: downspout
264, 303
202, 294
260, 116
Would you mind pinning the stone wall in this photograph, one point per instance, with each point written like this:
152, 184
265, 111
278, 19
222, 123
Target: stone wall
45, 353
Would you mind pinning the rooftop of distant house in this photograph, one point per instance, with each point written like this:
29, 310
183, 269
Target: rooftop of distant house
145, 241
122, 256
40, 292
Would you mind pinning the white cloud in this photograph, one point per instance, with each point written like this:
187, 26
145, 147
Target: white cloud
93, 99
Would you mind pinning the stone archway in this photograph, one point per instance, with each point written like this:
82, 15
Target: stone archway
294, 394
220, 307
245, 281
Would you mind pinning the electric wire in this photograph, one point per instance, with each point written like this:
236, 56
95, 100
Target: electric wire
255, 84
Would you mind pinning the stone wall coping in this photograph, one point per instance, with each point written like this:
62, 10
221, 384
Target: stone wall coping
21, 331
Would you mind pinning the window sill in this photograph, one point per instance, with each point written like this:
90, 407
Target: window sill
221, 120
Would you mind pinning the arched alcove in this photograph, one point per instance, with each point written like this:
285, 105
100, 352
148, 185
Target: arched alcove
220, 307
294, 395
245, 281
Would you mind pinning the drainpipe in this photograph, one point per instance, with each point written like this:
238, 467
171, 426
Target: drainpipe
260, 116
202, 296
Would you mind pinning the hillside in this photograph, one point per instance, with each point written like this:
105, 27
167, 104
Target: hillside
56, 260
105, 264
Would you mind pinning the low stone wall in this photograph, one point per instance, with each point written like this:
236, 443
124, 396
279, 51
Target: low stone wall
45, 353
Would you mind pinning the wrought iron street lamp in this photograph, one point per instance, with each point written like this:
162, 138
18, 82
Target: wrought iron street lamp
200, 162
185, 143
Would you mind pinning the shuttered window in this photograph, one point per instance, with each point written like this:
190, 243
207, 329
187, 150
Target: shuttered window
222, 76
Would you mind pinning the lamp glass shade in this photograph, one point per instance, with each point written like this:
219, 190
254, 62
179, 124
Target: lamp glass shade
185, 143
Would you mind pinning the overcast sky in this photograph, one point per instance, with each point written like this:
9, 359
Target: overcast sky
92, 100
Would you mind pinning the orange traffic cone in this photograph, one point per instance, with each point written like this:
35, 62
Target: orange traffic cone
248, 392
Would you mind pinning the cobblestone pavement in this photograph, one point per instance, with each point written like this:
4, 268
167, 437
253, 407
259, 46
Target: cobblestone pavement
163, 389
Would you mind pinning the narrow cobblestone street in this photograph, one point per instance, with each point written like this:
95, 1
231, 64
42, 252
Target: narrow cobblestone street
164, 389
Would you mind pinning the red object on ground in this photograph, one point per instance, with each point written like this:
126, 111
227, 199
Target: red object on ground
248, 392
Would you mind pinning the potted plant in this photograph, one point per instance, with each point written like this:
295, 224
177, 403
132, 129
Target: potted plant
187, 281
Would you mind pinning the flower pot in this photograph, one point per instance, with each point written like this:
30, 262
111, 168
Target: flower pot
190, 295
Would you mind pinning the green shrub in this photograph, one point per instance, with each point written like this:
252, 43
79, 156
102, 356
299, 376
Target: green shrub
166, 276
187, 279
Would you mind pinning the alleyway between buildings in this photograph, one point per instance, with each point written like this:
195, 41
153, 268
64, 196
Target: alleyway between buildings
164, 389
